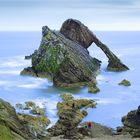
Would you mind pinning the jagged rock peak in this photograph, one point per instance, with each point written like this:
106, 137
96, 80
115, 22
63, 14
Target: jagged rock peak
78, 32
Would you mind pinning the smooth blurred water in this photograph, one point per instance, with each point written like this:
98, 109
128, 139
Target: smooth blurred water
114, 101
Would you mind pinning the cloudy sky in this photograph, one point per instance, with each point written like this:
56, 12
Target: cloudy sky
97, 14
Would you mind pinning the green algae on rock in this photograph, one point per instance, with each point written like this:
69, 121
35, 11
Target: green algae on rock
125, 83
29, 104
21, 126
19, 106
92, 87
13, 126
63, 56
70, 116
37, 111
36, 124
32, 107
65, 61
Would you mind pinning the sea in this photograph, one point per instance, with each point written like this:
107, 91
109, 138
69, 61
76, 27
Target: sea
113, 101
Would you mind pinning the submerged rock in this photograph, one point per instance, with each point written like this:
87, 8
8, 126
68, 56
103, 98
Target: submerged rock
78, 32
32, 107
131, 123
70, 116
125, 83
19, 106
28, 57
30, 104
38, 111
65, 61
92, 87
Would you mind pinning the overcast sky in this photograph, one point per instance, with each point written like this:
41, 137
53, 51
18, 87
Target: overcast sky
96, 14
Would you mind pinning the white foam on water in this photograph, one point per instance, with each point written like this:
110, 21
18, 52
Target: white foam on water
106, 101
103, 101
51, 108
12, 62
11, 72
4, 82
36, 83
100, 77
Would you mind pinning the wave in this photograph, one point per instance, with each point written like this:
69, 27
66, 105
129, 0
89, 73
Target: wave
12, 72
13, 62
36, 83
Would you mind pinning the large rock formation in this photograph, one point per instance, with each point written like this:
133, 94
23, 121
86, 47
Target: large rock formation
65, 61
20, 127
131, 123
78, 32
63, 56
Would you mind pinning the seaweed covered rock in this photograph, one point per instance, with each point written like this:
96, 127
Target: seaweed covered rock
11, 127
78, 32
92, 87
70, 116
36, 124
21, 126
131, 123
125, 83
32, 107
63, 60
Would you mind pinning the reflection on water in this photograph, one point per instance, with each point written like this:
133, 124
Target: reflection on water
114, 101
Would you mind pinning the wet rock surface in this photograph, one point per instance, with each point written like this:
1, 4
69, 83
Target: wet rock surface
63, 56
131, 123
125, 83
70, 115
11, 127
65, 61
21, 126
92, 87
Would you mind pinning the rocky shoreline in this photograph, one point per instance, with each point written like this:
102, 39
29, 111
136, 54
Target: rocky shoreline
63, 57
70, 113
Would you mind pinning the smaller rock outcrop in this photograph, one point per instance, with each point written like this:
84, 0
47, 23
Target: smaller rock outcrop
32, 108
131, 123
92, 87
125, 83
70, 116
